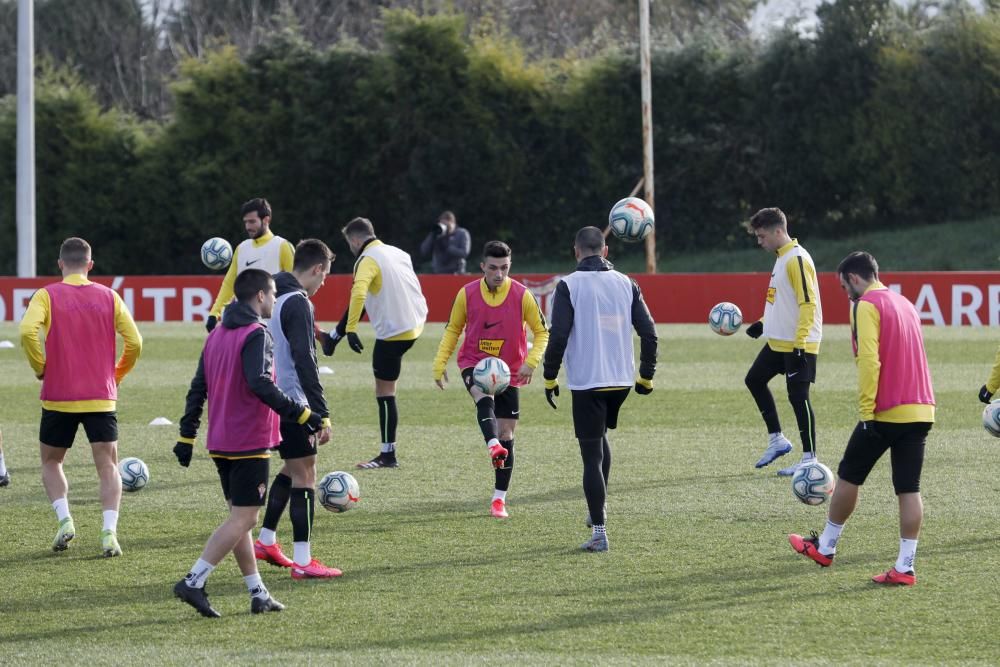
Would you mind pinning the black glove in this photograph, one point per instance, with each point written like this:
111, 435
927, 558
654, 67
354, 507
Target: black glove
799, 363
644, 387
871, 432
354, 342
211, 322
985, 395
551, 393
314, 424
756, 329
328, 341
182, 451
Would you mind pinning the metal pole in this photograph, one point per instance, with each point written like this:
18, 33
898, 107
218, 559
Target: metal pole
645, 65
25, 139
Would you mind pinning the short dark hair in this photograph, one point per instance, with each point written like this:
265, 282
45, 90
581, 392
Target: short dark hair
250, 282
75, 252
258, 205
589, 240
359, 227
860, 263
768, 218
309, 253
496, 249
447, 215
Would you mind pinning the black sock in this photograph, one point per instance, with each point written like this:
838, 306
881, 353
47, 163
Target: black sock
504, 474
798, 396
594, 488
301, 512
388, 418
487, 420
277, 500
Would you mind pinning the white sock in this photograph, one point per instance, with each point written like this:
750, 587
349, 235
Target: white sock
388, 448
111, 520
493, 441
61, 506
302, 554
267, 537
499, 495
907, 554
828, 540
776, 437
599, 530
3, 466
808, 456
256, 586
199, 573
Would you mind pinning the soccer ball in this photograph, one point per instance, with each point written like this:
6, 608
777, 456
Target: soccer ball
631, 219
338, 491
135, 473
991, 418
216, 253
725, 318
813, 483
491, 375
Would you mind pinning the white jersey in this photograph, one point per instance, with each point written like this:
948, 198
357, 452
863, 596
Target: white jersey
794, 271
286, 377
599, 350
399, 305
266, 257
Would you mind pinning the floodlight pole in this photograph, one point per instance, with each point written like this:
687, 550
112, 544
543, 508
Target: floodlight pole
645, 66
25, 139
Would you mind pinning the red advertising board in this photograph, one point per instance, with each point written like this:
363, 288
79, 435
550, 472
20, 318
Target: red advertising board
942, 298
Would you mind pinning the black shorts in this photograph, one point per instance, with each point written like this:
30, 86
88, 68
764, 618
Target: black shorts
296, 443
596, 410
58, 429
244, 481
905, 443
506, 404
770, 363
387, 358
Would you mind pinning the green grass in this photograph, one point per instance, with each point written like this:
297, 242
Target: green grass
955, 246
699, 571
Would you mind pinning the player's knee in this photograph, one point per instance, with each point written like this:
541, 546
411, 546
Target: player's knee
798, 392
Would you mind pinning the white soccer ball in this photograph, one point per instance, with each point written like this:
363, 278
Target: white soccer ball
813, 483
216, 253
134, 473
338, 491
725, 318
491, 375
631, 219
991, 418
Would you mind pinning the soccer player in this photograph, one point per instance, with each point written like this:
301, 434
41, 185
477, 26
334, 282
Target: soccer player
593, 314
291, 326
80, 379
992, 383
4, 474
896, 411
236, 375
493, 312
793, 326
386, 287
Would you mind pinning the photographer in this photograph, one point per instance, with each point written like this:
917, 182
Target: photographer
447, 244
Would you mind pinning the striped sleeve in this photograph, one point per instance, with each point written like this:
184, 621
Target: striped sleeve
226, 292
866, 323
802, 276
365, 275
452, 331
533, 317
125, 326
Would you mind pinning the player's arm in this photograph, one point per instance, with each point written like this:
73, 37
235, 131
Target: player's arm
226, 292
452, 331
257, 357
286, 256
867, 324
993, 383
297, 325
533, 317
643, 324
125, 326
35, 318
366, 272
562, 324
194, 404
802, 276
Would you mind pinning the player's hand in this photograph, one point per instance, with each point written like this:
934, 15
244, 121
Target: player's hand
211, 322
756, 329
442, 381
324, 435
799, 362
985, 395
328, 341
643, 386
355, 342
524, 374
871, 431
182, 451
551, 391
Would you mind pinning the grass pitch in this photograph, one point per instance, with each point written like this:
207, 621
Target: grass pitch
699, 571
